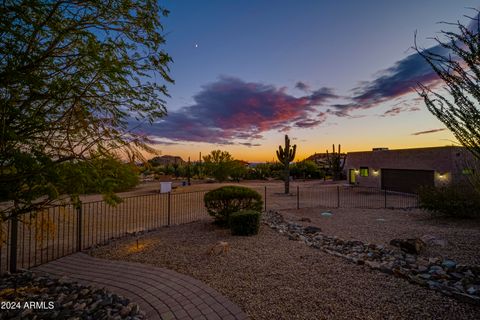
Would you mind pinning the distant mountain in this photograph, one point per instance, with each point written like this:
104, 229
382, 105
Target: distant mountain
320, 158
166, 160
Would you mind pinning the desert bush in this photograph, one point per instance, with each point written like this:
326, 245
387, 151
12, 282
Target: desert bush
101, 175
222, 202
451, 201
245, 222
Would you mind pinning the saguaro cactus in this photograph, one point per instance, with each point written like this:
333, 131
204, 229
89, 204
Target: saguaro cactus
285, 156
336, 163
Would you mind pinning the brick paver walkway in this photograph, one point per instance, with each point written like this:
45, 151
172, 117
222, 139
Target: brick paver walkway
160, 293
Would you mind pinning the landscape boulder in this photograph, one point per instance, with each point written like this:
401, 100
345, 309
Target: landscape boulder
311, 230
432, 240
411, 246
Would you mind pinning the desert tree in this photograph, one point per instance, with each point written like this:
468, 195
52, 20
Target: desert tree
219, 164
74, 77
457, 64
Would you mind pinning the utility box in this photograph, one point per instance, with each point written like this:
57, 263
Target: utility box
165, 187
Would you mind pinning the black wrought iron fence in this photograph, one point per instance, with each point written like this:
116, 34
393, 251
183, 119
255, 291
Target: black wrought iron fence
57, 231
39, 237
355, 197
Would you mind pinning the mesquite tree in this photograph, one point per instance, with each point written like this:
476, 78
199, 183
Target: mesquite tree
457, 103
336, 162
219, 164
285, 156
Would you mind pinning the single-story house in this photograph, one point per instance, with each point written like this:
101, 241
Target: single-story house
404, 170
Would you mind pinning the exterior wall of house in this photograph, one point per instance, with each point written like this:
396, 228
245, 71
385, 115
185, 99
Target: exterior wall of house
446, 162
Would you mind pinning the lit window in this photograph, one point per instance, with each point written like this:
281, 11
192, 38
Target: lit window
363, 171
467, 171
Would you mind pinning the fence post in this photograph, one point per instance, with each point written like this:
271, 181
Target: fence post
13, 243
79, 227
298, 197
265, 198
338, 196
385, 197
168, 208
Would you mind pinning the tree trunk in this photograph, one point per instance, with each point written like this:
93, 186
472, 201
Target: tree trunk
287, 181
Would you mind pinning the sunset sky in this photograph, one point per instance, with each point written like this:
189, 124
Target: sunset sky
324, 72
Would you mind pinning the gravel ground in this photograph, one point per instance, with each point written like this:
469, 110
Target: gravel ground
462, 236
271, 277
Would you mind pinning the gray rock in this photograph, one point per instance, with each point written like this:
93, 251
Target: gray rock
60, 298
431, 240
449, 264
422, 269
63, 280
84, 292
472, 290
373, 264
426, 276
435, 269
386, 267
79, 306
469, 273
410, 259
456, 275
417, 280
294, 237
433, 260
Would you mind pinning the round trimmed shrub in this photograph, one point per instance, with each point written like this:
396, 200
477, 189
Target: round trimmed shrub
245, 222
224, 201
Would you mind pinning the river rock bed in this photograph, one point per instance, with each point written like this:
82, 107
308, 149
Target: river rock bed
441, 274
29, 296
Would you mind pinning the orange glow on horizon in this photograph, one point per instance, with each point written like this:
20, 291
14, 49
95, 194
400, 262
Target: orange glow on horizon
266, 153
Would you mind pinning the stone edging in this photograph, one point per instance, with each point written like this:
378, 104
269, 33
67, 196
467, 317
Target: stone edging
59, 298
444, 275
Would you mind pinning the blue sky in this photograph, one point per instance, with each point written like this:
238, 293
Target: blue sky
247, 72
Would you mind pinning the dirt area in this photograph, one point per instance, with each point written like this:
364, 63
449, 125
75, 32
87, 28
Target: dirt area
271, 277
177, 185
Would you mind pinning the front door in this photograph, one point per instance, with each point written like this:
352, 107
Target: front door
351, 174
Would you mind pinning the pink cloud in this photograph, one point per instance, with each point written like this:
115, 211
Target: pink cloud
230, 110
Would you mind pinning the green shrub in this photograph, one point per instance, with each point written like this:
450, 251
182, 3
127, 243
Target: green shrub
245, 222
101, 175
224, 201
451, 201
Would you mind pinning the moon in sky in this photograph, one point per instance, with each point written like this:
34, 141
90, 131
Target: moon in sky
196, 45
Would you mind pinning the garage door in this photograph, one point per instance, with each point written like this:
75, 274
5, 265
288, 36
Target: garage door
406, 180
